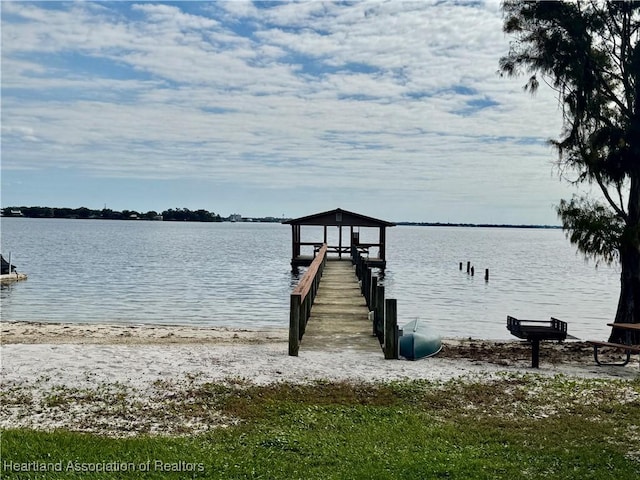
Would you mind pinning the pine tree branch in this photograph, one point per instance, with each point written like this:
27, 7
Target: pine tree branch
619, 210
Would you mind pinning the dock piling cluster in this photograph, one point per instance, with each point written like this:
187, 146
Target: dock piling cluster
471, 271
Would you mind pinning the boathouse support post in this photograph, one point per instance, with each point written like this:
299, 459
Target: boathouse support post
382, 241
391, 329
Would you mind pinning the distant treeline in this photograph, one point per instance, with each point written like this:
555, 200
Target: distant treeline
485, 225
179, 214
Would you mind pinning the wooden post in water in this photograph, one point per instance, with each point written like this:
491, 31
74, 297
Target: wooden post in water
391, 330
460, 266
473, 271
468, 267
486, 275
294, 326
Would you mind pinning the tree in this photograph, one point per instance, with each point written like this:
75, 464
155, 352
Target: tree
588, 52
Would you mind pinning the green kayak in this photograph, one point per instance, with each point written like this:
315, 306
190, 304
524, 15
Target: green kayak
419, 341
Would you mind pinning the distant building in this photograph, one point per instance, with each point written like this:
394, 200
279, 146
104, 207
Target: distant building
235, 217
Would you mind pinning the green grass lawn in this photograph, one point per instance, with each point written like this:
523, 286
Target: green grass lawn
510, 427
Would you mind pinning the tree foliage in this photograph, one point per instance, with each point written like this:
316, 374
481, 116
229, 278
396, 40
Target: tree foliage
588, 52
593, 227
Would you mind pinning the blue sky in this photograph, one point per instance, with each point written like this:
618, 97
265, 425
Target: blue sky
392, 109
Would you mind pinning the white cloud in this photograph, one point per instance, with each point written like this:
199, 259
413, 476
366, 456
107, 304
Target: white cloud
312, 94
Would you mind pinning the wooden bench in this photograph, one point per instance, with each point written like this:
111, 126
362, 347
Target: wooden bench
628, 349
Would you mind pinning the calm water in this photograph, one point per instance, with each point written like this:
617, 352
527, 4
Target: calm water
238, 274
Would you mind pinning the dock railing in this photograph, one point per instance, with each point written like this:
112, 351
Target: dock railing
302, 299
385, 311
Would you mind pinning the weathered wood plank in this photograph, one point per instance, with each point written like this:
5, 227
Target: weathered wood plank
339, 318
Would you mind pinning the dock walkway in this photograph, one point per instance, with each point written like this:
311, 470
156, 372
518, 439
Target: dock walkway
339, 316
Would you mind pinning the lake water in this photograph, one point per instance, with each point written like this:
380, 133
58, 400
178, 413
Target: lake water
239, 275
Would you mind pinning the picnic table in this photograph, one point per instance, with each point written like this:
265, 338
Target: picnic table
628, 347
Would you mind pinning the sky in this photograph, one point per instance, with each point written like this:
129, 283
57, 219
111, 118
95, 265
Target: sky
391, 109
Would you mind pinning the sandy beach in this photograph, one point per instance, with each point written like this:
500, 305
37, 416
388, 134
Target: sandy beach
143, 362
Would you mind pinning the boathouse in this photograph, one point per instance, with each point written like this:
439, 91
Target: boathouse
349, 225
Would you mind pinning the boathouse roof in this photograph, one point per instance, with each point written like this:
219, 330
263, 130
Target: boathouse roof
339, 217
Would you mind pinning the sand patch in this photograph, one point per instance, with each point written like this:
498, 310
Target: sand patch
115, 379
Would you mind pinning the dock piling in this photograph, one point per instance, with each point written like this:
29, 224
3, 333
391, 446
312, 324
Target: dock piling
294, 326
391, 330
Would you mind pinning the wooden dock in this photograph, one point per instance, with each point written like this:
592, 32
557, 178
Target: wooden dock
339, 316
347, 309
338, 305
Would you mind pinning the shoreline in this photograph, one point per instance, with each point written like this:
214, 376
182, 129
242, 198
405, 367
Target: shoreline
513, 353
106, 379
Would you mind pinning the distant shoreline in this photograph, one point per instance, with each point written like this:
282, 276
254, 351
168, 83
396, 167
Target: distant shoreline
203, 216
476, 225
